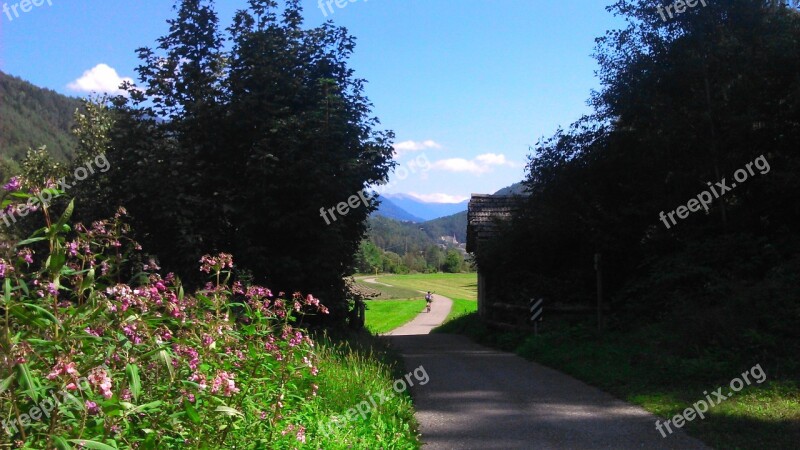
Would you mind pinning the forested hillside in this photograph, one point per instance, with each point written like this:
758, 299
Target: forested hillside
33, 117
400, 247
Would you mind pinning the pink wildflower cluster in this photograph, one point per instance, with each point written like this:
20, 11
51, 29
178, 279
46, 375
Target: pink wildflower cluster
210, 263
68, 369
14, 184
300, 432
191, 355
155, 296
5, 268
99, 379
224, 381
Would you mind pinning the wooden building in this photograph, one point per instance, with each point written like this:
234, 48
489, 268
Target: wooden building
485, 213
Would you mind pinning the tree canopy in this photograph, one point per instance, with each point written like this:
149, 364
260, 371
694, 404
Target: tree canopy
233, 141
685, 103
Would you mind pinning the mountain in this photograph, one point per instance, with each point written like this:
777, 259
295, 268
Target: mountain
426, 211
514, 189
390, 210
32, 117
455, 225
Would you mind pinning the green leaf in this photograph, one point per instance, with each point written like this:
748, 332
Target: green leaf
61, 443
7, 291
30, 241
191, 413
134, 381
92, 444
43, 312
56, 262
27, 381
67, 213
6, 383
88, 281
228, 411
167, 358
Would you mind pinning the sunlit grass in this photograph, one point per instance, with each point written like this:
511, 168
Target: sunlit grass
452, 285
348, 376
386, 315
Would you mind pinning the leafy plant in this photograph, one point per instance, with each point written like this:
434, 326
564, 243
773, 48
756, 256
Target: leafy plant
92, 360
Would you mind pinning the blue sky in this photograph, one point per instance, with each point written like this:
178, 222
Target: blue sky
467, 85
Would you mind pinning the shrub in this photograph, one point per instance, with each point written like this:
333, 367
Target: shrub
92, 360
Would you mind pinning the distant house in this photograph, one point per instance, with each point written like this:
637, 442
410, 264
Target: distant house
484, 215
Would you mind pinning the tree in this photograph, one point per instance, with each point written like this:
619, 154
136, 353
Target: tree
453, 261
684, 103
238, 150
368, 258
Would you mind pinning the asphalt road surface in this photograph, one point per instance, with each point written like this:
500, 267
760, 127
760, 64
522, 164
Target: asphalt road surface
480, 398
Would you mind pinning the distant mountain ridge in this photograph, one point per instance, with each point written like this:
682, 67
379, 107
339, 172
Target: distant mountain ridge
514, 189
390, 210
425, 210
33, 117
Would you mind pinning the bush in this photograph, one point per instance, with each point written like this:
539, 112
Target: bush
92, 360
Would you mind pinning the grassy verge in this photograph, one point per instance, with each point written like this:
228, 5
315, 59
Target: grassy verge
353, 370
461, 307
635, 367
386, 315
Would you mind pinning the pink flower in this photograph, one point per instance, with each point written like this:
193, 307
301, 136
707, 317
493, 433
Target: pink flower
62, 368
209, 263
5, 267
26, 254
225, 381
100, 380
92, 407
13, 184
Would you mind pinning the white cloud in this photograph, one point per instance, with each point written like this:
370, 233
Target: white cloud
415, 146
439, 198
459, 165
479, 165
101, 78
492, 159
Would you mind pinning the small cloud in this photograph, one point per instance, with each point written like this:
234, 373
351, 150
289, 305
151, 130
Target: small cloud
439, 198
492, 159
479, 165
459, 165
415, 146
101, 78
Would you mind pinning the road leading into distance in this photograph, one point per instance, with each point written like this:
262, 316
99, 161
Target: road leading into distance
480, 398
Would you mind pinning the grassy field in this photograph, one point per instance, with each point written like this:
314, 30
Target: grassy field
630, 366
405, 299
386, 315
452, 285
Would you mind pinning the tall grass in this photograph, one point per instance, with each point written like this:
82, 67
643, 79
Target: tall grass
353, 371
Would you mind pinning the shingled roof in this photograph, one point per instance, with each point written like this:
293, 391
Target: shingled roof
484, 213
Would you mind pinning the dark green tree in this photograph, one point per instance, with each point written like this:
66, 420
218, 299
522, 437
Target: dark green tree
685, 102
238, 150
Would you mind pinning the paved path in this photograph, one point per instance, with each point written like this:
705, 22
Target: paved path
426, 321
479, 398
375, 281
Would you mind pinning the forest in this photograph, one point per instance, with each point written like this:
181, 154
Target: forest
686, 107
